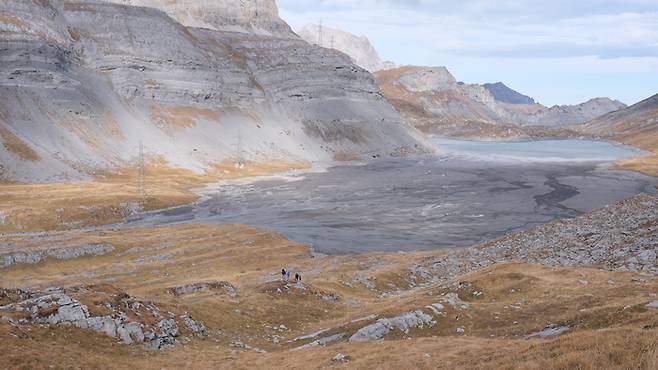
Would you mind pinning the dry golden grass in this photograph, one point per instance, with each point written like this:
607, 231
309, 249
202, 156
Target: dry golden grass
108, 199
66, 348
181, 117
646, 165
345, 157
611, 327
14, 21
17, 146
624, 348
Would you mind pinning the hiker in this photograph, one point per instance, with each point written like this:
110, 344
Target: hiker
283, 274
298, 278
288, 275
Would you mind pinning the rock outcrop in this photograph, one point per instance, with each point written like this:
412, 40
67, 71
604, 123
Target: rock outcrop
83, 82
403, 323
203, 287
109, 311
18, 257
358, 48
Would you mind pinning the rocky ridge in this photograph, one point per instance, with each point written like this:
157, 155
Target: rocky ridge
435, 102
572, 114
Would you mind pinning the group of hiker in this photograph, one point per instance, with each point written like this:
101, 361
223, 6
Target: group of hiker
285, 275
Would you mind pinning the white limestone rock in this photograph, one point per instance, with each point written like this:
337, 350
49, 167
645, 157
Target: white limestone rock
249, 16
19, 257
58, 307
358, 48
404, 322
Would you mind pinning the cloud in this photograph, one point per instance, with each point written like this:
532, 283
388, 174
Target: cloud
443, 32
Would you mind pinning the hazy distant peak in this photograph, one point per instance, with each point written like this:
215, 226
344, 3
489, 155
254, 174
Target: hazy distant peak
504, 94
598, 104
359, 48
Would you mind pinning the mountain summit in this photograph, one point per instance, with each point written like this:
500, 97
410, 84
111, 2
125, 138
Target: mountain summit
358, 48
504, 94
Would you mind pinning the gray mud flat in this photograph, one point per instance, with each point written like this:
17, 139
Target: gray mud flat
412, 205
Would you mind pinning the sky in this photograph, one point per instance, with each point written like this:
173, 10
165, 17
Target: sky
557, 51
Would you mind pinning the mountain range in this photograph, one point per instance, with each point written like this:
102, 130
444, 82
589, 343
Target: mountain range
82, 83
434, 100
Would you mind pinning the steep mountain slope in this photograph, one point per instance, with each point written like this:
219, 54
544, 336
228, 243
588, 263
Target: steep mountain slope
636, 125
358, 48
433, 100
83, 82
504, 94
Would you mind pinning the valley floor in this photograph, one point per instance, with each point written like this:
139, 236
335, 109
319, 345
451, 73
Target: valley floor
577, 293
113, 196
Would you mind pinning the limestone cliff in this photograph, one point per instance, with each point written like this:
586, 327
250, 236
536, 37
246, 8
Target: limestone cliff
356, 47
254, 16
83, 82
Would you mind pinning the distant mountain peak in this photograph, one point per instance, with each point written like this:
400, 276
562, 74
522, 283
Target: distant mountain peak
359, 48
504, 94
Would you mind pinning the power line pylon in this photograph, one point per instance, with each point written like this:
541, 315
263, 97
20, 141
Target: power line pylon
141, 183
240, 159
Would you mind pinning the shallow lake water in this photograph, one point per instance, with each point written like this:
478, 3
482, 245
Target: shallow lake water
470, 193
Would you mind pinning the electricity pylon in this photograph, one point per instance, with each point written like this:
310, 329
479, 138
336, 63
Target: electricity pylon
141, 183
